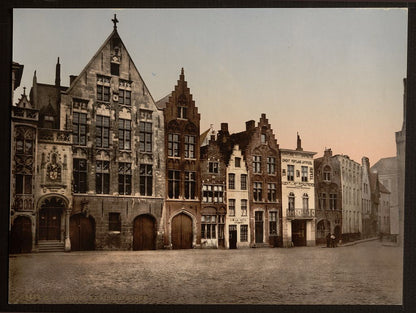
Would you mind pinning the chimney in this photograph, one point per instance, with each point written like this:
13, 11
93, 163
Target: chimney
72, 78
250, 125
299, 143
328, 152
58, 74
224, 127
365, 162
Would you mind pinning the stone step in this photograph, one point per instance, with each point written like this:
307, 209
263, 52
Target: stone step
51, 246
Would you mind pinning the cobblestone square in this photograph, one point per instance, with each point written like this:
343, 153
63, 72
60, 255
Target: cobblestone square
365, 273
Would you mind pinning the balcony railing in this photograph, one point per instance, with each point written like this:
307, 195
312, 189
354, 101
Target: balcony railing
55, 135
26, 113
300, 213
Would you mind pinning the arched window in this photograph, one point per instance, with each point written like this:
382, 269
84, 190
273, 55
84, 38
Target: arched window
291, 201
305, 201
327, 173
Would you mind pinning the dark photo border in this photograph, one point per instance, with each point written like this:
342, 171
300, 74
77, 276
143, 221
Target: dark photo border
409, 264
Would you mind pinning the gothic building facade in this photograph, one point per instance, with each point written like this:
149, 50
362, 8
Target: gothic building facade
96, 158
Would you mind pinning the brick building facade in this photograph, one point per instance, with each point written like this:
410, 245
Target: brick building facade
183, 175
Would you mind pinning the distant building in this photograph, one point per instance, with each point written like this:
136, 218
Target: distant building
366, 199
261, 154
388, 174
213, 201
238, 205
400, 153
384, 211
328, 197
351, 197
298, 196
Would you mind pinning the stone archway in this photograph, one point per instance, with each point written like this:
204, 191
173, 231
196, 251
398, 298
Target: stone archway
144, 232
82, 232
182, 231
323, 228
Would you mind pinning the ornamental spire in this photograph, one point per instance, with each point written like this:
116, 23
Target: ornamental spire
115, 21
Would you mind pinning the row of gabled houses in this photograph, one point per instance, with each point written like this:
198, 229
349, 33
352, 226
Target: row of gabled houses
100, 164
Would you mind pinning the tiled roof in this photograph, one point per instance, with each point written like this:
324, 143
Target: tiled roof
385, 165
161, 104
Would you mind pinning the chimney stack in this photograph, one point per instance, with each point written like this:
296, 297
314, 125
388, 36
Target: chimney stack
328, 152
250, 125
299, 143
224, 127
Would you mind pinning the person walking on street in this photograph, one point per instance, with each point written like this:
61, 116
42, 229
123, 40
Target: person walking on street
333, 244
328, 240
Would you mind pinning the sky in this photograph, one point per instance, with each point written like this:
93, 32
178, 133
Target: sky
333, 75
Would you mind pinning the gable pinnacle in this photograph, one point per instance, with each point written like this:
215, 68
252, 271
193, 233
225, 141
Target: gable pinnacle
115, 21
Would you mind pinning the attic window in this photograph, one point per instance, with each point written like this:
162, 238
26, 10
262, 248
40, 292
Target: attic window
115, 69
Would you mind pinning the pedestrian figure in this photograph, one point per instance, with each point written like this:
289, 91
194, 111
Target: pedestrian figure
332, 241
328, 240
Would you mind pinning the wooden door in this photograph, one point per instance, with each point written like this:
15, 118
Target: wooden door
259, 226
233, 236
299, 233
81, 233
50, 224
21, 235
144, 233
181, 232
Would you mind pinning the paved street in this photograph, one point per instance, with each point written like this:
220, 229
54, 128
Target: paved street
366, 273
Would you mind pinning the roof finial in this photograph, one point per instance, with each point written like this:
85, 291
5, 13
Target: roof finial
115, 21
24, 91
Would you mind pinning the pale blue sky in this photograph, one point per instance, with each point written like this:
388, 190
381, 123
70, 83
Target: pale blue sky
334, 75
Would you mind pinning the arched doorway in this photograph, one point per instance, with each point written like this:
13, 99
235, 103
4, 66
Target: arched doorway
21, 235
181, 232
144, 233
82, 232
323, 228
50, 215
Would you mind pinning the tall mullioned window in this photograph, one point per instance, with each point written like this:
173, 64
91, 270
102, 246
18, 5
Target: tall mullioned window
124, 178
333, 201
208, 226
257, 191
79, 129
304, 173
102, 131
173, 184
231, 181
305, 201
273, 223
103, 93
102, 177
271, 165
80, 175
243, 233
231, 207
189, 146
173, 145
271, 192
124, 134
145, 137
256, 164
243, 207
146, 179
25, 139
124, 97
243, 181
190, 185
290, 172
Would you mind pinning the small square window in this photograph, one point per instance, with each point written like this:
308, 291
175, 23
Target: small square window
114, 222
